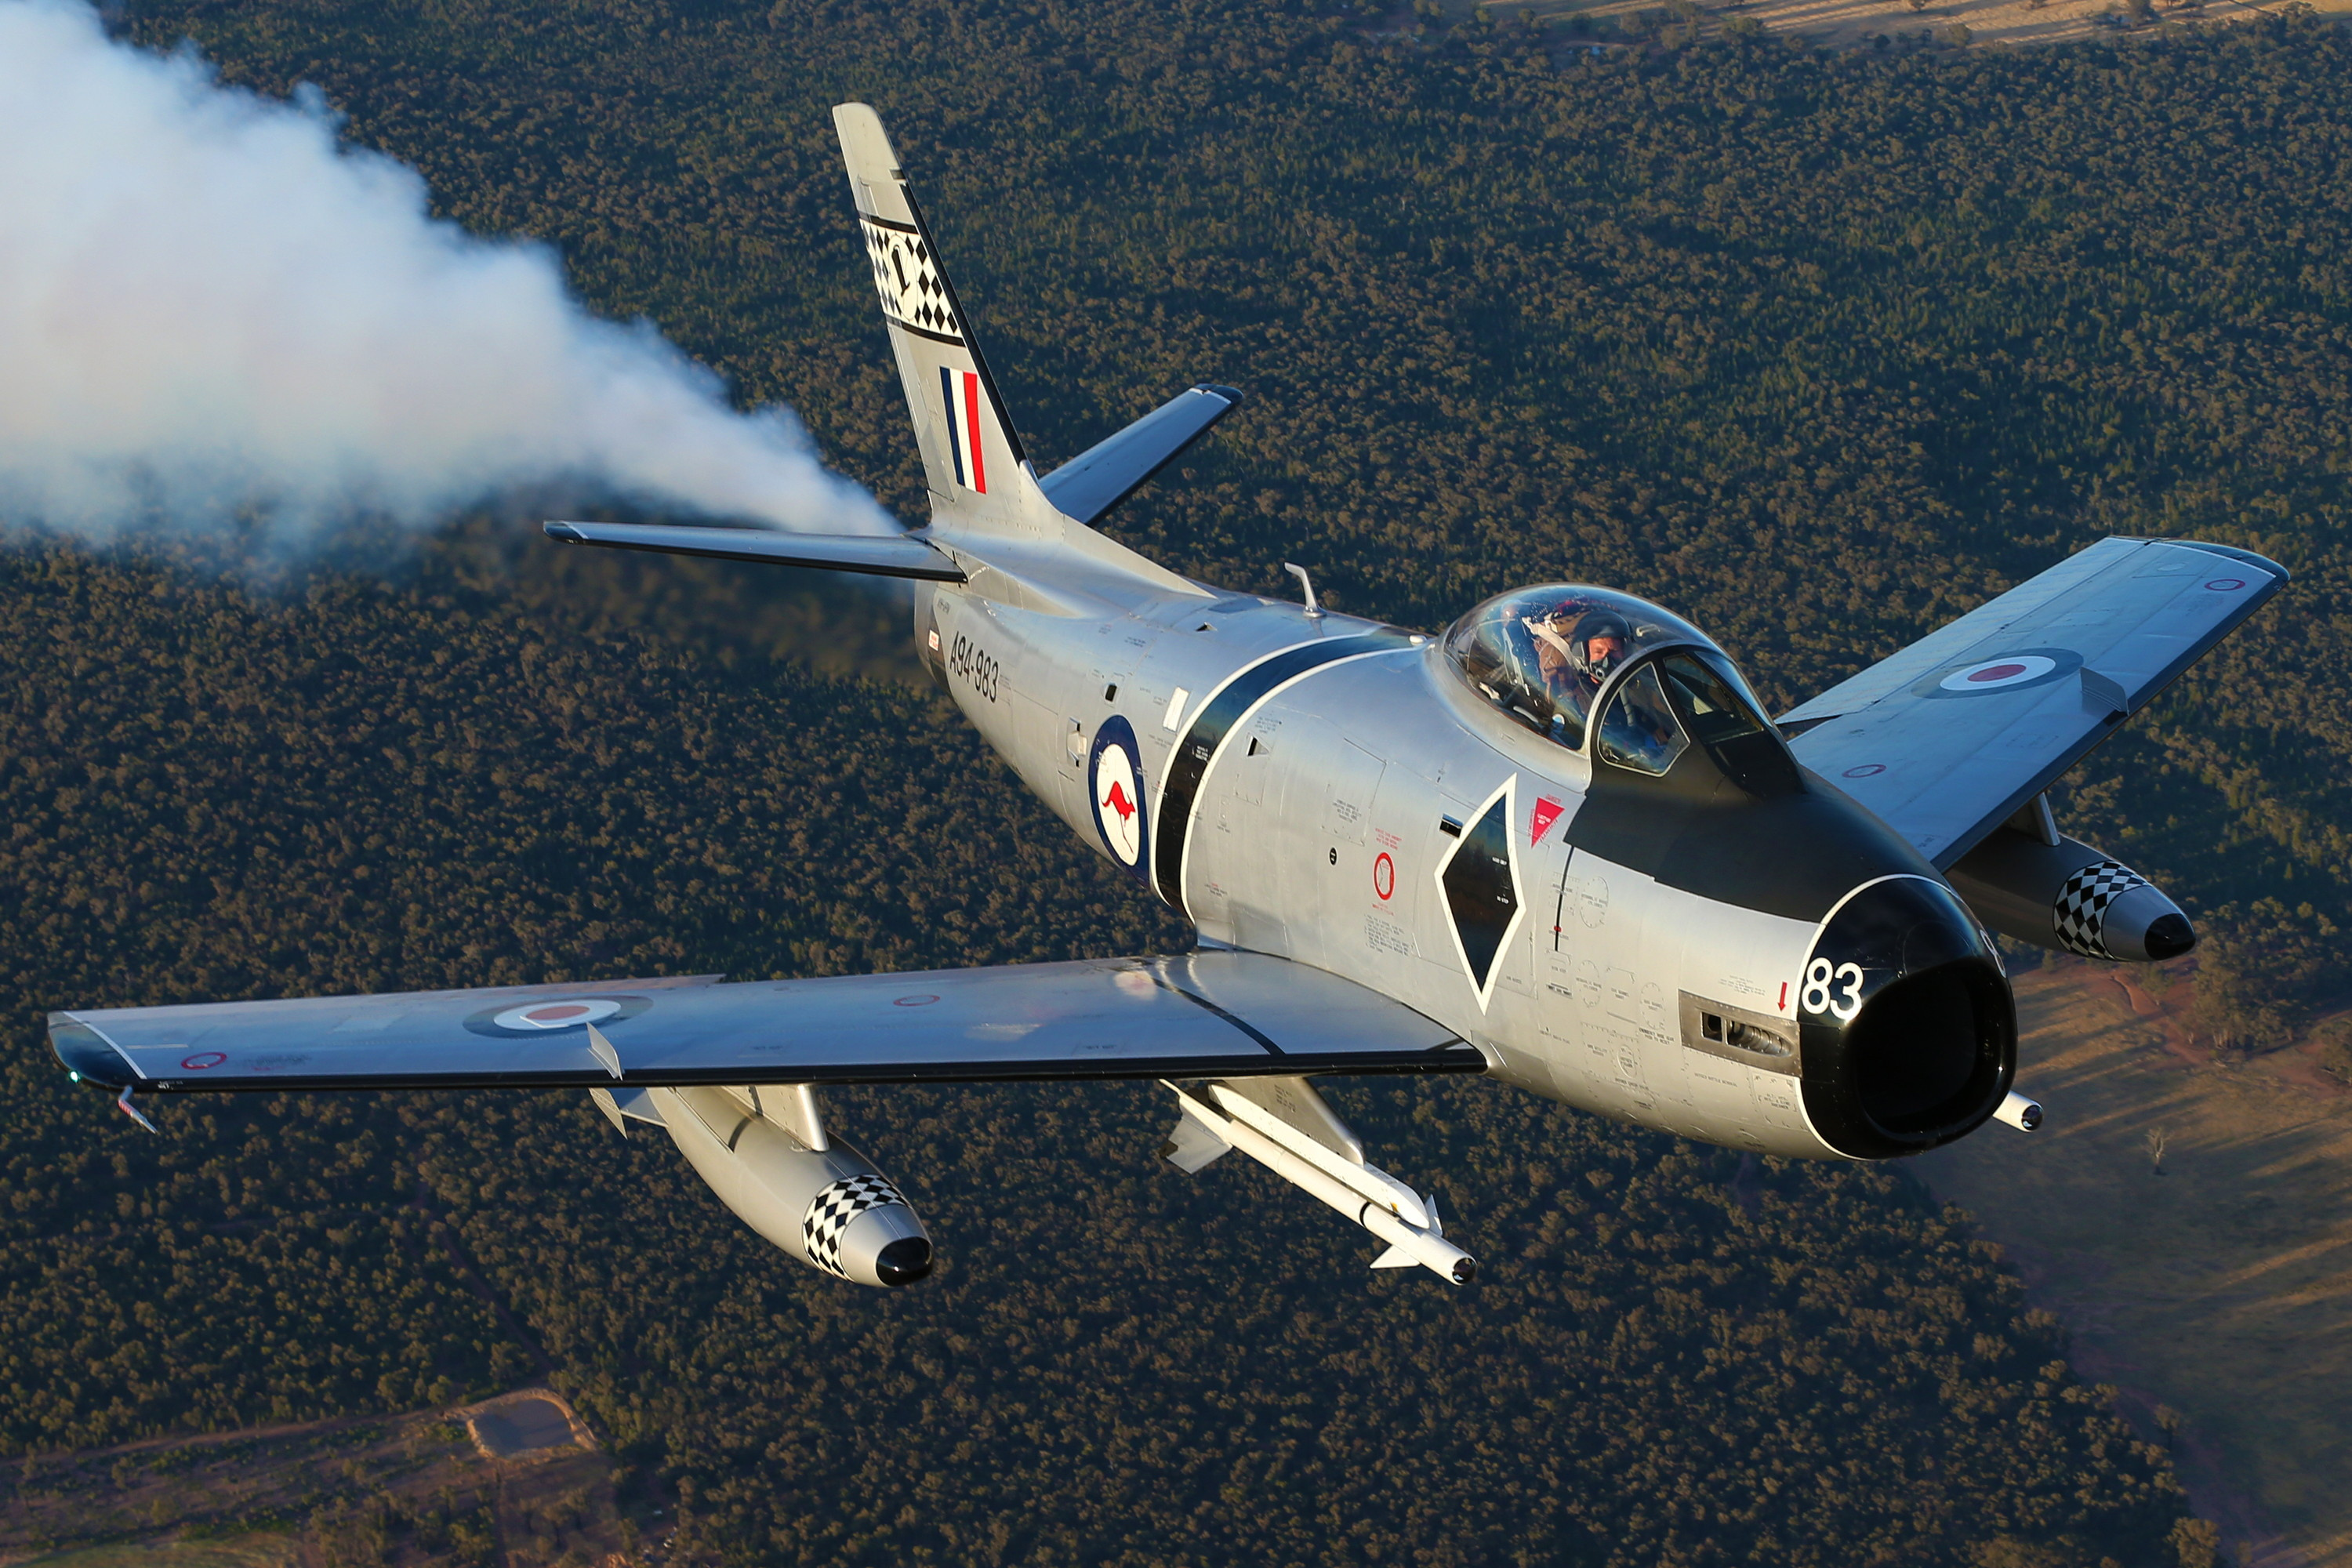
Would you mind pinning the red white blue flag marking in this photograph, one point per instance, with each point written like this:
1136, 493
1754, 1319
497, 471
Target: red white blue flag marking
960, 392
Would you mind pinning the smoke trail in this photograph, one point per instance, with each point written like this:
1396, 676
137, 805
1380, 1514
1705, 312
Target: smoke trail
207, 306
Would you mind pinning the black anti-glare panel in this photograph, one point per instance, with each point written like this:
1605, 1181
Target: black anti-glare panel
1478, 890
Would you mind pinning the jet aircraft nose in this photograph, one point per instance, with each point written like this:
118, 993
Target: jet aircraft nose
1907, 1028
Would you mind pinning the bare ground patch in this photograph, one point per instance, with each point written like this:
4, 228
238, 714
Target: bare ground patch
2218, 1287
1853, 24
398, 1491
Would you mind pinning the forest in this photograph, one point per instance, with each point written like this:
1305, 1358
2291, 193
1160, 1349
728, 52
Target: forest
1816, 349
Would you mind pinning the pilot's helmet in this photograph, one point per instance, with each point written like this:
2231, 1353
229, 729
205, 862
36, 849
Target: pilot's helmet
1589, 627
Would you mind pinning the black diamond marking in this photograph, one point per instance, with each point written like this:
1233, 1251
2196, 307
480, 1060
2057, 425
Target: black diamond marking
1479, 893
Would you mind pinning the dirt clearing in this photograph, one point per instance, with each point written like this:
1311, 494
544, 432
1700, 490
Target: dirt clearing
2192, 1222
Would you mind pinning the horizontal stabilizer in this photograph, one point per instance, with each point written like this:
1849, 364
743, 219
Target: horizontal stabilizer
1108, 472
876, 555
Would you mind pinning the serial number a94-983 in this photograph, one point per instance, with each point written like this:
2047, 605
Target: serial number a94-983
966, 662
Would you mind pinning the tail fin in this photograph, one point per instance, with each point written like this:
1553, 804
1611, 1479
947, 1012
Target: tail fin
982, 484
971, 455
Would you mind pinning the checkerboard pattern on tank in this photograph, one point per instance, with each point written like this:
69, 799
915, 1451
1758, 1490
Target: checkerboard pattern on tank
912, 290
831, 1211
2081, 906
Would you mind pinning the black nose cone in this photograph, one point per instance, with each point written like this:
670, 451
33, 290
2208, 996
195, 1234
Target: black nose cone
2169, 936
1908, 1033
905, 1260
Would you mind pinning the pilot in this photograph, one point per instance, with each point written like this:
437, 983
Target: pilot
1576, 653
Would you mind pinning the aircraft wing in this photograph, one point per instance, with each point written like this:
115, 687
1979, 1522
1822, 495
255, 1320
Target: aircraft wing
1202, 1014
1948, 738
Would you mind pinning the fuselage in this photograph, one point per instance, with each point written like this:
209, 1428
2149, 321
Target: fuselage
1765, 967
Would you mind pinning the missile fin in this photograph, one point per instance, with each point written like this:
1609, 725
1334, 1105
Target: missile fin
627, 1105
1193, 1146
1396, 1257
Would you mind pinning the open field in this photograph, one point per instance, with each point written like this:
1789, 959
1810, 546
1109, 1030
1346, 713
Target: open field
2220, 1289
1846, 24
396, 1490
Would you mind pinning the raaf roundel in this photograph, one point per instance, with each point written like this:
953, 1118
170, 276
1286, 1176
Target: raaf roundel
1558, 843
1115, 785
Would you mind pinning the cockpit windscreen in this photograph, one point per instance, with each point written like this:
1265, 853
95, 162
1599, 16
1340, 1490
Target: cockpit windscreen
1542, 655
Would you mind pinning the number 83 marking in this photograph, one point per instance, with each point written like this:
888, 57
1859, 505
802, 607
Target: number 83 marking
1818, 995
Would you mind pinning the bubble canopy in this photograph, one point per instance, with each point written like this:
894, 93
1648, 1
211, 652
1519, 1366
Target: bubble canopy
1543, 655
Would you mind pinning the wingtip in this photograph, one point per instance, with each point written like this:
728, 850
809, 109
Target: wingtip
566, 532
85, 1053
1231, 395
2228, 551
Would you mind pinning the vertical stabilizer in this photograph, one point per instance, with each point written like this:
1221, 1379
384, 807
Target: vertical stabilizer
971, 456
981, 485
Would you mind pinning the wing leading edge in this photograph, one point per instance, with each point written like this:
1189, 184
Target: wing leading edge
1948, 739
1108, 472
1221, 1014
875, 555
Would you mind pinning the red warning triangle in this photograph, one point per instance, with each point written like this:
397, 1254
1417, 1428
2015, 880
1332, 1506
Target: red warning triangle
1548, 812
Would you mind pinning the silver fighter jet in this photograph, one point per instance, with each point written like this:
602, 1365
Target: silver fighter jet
1559, 844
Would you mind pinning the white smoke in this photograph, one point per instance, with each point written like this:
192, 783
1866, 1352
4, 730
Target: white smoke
208, 308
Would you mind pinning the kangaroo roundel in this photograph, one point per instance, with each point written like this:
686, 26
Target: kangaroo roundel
1115, 780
